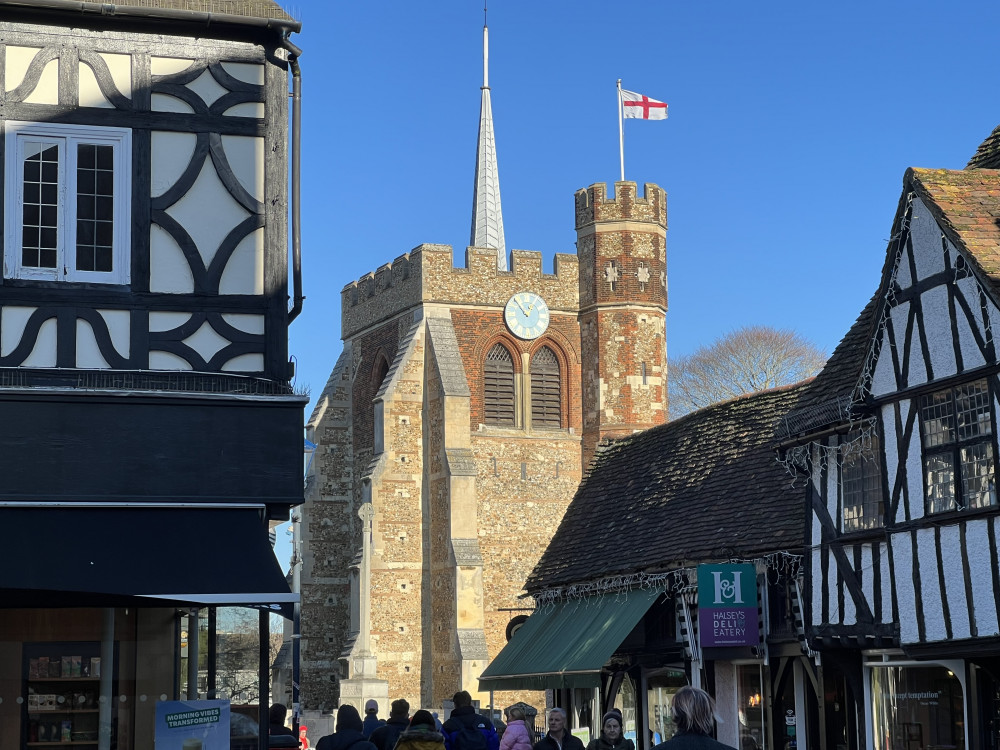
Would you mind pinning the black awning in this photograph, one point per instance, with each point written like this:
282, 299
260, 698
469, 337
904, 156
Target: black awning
138, 556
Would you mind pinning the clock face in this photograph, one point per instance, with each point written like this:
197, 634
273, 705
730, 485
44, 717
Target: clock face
527, 315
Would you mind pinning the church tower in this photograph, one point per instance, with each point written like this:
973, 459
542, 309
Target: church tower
622, 246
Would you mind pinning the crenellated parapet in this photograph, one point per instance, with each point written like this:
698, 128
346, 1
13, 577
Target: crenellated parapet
593, 204
427, 274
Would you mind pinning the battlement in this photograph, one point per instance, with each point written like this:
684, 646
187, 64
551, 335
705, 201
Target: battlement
593, 205
427, 275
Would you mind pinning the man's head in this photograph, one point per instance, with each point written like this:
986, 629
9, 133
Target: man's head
277, 713
557, 721
348, 718
399, 709
462, 698
371, 707
693, 710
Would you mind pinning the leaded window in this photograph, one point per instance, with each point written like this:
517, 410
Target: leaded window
546, 394
861, 482
498, 386
67, 202
957, 429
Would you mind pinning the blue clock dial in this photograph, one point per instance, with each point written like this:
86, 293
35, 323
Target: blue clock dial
526, 315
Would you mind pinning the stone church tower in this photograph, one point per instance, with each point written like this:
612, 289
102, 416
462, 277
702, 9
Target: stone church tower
454, 430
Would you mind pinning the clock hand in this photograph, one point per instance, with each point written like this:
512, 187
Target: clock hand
526, 312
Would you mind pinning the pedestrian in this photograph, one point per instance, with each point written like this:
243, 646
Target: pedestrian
384, 738
420, 734
516, 736
347, 732
558, 737
276, 720
372, 721
612, 736
467, 730
437, 721
693, 712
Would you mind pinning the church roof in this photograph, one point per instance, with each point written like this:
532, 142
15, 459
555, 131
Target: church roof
705, 487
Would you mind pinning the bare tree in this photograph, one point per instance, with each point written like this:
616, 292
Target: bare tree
746, 360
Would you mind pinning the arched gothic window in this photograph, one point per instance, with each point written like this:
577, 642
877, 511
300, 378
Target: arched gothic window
546, 396
498, 382
381, 370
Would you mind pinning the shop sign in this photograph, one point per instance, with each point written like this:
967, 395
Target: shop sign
727, 606
192, 725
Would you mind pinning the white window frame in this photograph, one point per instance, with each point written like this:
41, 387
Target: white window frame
68, 136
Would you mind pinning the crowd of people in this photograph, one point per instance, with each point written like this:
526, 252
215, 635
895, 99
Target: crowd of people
692, 709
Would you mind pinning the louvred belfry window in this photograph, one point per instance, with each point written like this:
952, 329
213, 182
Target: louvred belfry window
498, 381
545, 390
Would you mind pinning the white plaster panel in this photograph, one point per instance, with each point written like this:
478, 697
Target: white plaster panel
831, 487
206, 341
952, 253
902, 555
88, 354
12, 323
171, 154
164, 66
16, 65
981, 577
44, 353
245, 323
817, 586
954, 571
244, 273
886, 584
245, 363
925, 234
889, 446
832, 600
90, 91
246, 72
930, 589
167, 103
207, 88
246, 158
972, 355
914, 476
994, 317
47, 90
167, 321
208, 212
119, 324
167, 361
120, 67
937, 329
169, 271
884, 377
246, 109
903, 278
850, 615
867, 575
816, 461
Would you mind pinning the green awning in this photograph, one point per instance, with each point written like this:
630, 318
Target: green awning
566, 644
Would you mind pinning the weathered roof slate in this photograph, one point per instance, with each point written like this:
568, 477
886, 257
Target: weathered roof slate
987, 156
704, 487
245, 8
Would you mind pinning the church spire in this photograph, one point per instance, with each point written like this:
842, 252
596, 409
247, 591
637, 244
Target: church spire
487, 219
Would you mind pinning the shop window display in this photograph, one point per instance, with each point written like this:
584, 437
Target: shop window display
917, 707
660, 691
749, 697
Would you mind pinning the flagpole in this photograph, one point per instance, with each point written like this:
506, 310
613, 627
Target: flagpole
621, 130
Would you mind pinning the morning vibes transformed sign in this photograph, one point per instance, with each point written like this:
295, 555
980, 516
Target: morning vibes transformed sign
727, 606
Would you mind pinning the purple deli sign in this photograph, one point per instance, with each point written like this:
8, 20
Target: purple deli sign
727, 606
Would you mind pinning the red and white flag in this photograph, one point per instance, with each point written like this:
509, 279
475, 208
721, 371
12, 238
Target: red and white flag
639, 107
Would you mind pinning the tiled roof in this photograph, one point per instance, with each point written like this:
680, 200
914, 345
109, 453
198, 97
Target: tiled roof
987, 156
245, 8
704, 487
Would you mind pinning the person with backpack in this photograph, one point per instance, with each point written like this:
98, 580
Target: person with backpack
347, 734
421, 734
467, 730
384, 738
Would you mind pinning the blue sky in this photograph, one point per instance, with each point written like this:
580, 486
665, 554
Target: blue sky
790, 127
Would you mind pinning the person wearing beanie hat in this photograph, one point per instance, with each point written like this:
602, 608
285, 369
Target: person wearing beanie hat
372, 721
612, 736
347, 733
384, 738
421, 734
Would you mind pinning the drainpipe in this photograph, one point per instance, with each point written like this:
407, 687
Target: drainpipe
293, 62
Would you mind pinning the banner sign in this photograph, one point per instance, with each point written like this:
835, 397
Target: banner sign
192, 725
727, 606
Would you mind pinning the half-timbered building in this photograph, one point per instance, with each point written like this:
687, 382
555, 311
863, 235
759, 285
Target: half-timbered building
150, 433
897, 443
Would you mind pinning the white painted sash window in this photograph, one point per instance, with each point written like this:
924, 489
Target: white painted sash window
66, 213
959, 466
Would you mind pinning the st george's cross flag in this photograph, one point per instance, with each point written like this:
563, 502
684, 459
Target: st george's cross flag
639, 107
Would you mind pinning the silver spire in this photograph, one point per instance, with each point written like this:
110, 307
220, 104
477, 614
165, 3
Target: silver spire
487, 218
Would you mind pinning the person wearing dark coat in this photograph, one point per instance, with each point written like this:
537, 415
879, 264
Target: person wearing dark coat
464, 714
612, 736
347, 732
276, 720
421, 734
693, 711
372, 721
558, 737
384, 738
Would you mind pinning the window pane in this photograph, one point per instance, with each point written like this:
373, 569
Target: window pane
937, 419
861, 483
972, 408
95, 204
917, 707
39, 210
939, 480
978, 483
